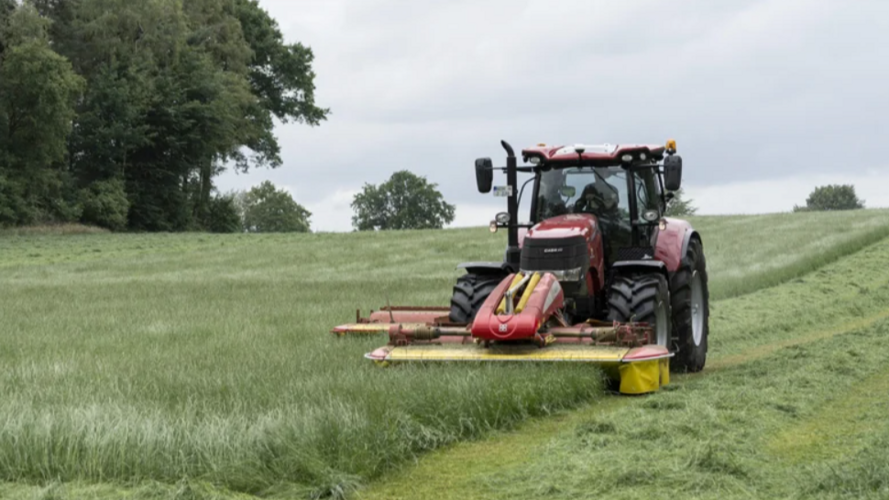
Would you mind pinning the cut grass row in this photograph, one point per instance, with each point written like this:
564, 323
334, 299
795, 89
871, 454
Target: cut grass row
136, 359
749, 253
792, 404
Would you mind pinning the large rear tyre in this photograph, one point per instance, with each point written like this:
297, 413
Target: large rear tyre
470, 293
643, 298
691, 311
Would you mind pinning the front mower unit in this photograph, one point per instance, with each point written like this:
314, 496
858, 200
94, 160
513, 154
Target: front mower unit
521, 320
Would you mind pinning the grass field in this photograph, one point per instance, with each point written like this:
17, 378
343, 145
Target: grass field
195, 366
793, 404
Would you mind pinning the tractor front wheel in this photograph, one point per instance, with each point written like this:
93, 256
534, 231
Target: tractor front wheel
470, 293
643, 298
691, 311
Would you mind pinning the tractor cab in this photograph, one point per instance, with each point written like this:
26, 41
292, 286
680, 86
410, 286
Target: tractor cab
624, 188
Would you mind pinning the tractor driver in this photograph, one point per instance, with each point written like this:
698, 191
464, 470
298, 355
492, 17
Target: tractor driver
602, 199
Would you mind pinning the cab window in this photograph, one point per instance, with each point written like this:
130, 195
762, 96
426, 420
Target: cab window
647, 192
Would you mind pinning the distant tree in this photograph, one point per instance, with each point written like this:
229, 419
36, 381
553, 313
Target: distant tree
405, 201
679, 206
267, 209
832, 197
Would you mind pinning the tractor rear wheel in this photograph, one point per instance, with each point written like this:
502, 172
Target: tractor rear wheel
691, 311
643, 298
470, 293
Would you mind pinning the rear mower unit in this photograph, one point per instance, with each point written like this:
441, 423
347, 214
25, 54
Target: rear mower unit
598, 275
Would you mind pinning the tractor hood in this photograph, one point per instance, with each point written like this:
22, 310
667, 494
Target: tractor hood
564, 226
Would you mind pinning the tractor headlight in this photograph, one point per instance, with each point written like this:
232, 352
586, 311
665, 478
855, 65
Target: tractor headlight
535, 160
502, 218
570, 274
562, 274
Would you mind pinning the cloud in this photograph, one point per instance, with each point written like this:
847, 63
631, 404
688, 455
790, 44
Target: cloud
753, 91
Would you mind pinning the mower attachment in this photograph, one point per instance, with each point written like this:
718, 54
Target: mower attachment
521, 320
380, 321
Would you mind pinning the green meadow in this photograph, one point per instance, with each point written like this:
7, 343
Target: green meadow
193, 366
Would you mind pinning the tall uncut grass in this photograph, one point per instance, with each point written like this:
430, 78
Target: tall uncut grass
133, 358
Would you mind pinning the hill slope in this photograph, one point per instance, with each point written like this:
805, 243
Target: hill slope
147, 359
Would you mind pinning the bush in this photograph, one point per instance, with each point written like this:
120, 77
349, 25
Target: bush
105, 204
832, 197
224, 216
14, 208
41, 198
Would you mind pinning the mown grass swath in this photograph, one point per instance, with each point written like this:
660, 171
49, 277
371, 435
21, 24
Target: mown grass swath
725, 436
138, 358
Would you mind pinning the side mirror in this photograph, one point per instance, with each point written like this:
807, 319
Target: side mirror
568, 191
484, 175
673, 173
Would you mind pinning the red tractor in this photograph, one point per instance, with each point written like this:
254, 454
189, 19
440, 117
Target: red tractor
598, 275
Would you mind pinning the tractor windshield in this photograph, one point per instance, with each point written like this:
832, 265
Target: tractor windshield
600, 191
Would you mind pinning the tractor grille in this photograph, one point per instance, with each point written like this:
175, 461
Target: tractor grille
634, 253
554, 254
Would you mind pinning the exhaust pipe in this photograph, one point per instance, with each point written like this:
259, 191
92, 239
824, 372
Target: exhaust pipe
513, 253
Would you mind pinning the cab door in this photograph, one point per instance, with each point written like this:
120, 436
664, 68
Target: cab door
648, 203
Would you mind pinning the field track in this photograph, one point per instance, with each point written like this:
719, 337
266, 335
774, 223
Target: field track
185, 356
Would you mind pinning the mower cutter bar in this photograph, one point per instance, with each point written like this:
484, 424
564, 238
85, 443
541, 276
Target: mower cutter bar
639, 370
526, 352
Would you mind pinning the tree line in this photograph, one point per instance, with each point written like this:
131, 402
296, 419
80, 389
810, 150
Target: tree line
121, 113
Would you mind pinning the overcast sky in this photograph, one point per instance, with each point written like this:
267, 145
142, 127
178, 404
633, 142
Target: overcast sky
766, 99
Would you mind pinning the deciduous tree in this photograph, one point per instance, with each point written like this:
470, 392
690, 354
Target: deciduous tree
270, 210
38, 89
405, 201
176, 92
